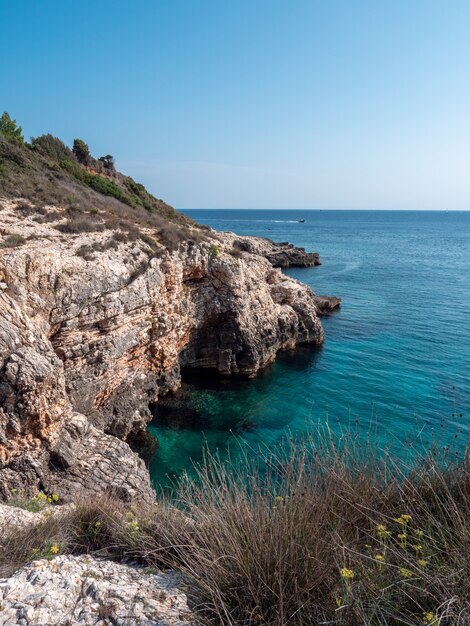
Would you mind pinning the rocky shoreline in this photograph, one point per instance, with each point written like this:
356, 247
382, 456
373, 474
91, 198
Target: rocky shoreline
89, 340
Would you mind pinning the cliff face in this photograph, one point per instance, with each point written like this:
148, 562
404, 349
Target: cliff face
94, 327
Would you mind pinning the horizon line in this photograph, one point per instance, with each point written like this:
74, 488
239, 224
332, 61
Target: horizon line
319, 209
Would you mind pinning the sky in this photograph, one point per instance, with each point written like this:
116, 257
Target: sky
253, 103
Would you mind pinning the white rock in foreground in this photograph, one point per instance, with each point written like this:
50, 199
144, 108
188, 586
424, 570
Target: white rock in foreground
81, 591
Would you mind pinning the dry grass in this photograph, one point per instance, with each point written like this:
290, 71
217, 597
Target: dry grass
317, 534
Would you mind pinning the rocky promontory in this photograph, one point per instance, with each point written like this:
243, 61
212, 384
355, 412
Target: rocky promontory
107, 295
95, 327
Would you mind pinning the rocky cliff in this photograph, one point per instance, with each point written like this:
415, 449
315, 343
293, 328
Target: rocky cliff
95, 326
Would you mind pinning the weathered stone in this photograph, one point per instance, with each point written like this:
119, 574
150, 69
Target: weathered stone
83, 591
87, 344
326, 304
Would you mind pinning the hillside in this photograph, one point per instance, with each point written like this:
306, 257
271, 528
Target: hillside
95, 196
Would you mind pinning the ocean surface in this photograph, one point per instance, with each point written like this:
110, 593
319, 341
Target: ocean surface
396, 358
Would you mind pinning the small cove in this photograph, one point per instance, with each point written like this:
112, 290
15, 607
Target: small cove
396, 357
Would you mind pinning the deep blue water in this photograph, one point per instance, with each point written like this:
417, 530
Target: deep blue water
396, 357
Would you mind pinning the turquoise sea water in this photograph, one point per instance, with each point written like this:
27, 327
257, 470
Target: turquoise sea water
396, 357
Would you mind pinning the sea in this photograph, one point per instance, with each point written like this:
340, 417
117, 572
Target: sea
396, 356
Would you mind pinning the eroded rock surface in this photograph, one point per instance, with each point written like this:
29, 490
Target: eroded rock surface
89, 340
85, 591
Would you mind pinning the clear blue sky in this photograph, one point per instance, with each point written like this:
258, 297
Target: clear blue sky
253, 103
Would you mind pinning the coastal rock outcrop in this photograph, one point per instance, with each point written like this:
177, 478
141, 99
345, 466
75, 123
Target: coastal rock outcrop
326, 304
282, 254
95, 326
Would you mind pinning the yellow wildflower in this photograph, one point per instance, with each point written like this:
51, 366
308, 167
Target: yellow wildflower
382, 532
422, 562
418, 547
134, 525
41, 496
429, 617
405, 573
402, 536
54, 497
379, 557
406, 518
54, 549
346, 573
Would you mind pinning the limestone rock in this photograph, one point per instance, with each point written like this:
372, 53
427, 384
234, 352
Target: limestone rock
14, 516
84, 591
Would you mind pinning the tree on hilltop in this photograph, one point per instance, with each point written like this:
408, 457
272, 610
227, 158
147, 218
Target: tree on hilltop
81, 152
9, 128
108, 162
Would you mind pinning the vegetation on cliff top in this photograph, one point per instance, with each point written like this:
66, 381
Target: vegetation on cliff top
48, 173
327, 533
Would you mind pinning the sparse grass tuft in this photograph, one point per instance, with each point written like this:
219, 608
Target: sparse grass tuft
12, 241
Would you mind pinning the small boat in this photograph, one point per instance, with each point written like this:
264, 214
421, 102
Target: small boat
301, 221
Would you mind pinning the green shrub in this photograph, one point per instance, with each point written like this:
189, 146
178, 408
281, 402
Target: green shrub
52, 147
107, 187
214, 251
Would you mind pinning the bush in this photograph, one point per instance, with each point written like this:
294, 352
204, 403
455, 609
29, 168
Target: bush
13, 241
236, 253
107, 187
76, 225
51, 146
214, 251
11, 152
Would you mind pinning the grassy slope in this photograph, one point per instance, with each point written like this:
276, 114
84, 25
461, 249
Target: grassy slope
46, 172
